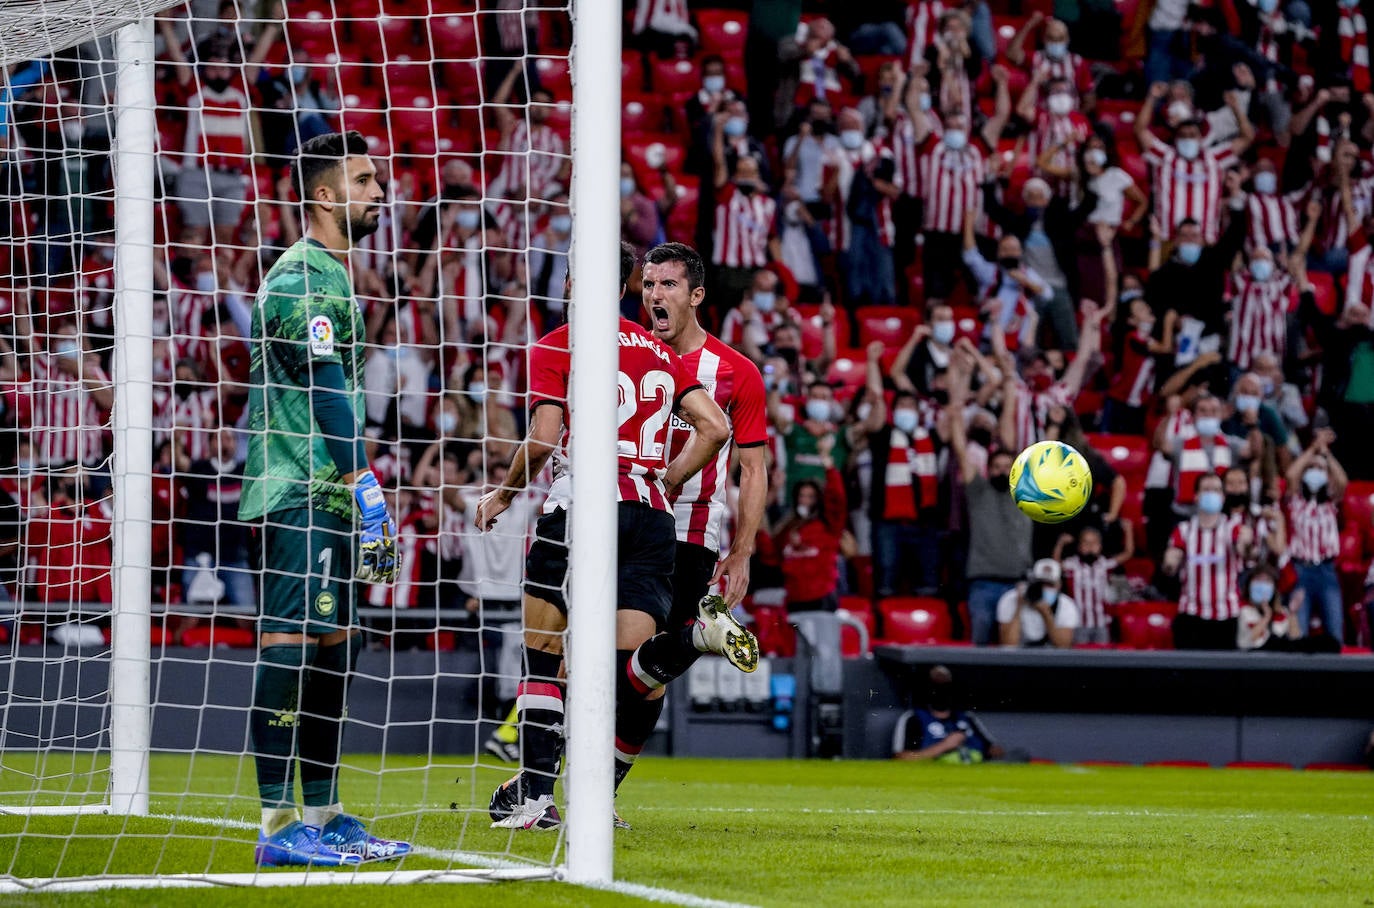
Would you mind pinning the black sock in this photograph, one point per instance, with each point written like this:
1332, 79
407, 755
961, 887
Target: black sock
274, 720
539, 701
635, 715
321, 721
660, 659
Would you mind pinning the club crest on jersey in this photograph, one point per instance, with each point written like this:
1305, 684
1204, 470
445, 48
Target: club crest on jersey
321, 336
325, 603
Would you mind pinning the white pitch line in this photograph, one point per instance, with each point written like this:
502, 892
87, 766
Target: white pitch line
1000, 812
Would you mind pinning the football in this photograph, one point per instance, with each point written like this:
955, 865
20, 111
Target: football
1050, 482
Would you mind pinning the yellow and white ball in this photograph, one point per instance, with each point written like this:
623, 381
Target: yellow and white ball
1050, 482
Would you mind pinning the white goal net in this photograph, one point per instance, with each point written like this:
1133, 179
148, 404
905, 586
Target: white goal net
137, 126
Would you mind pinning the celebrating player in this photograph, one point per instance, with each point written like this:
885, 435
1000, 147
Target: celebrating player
307, 468
673, 279
654, 383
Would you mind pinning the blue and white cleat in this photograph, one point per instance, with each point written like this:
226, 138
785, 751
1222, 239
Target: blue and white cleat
299, 845
347, 835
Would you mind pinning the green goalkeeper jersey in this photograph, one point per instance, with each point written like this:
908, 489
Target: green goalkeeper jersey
304, 315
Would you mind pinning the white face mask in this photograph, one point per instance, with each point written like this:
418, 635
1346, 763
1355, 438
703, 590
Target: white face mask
864, 411
942, 332
905, 421
1208, 426
803, 511
1180, 110
955, 139
448, 422
1060, 104
1266, 182
1096, 157
1188, 149
818, 410
852, 139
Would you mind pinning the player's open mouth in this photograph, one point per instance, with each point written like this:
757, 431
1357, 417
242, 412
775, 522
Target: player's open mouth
660, 318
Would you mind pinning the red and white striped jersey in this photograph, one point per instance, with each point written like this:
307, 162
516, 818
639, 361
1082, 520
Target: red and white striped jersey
744, 224
667, 16
530, 158
411, 540
463, 278
951, 182
217, 130
652, 380
188, 308
1189, 189
1210, 568
922, 26
1273, 220
1070, 67
906, 151
733, 327
840, 227
734, 381
192, 420
67, 426
818, 79
1334, 231
1314, 532
1089, 585
1033, 408
1259, 317
1064, 133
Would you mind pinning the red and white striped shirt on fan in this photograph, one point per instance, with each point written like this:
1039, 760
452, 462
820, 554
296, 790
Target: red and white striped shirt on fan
668, 16
733, 327
412, 540
734, 381
1033, 409
192, 420
1274, 219
869, 156
922, 25
1064, 134
1071, 67
1210, 568
951, 182
66, 425
217, 130
1089, 585
539, 148
1314, 533
744, 225
906, 151
652, 380
818, 78
1189, 189
1334, 231
1133, 381
1259, 317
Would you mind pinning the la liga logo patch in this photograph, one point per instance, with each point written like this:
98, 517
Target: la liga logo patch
321, 336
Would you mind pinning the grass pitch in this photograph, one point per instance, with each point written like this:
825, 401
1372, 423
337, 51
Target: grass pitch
779, 833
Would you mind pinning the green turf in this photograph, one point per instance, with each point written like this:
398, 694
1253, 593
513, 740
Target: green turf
789, 833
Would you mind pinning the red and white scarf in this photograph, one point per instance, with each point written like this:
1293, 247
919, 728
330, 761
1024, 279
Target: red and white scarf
911, 468
1355, 46
1193, 463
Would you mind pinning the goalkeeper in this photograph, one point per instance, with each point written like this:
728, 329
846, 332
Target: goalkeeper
307, 470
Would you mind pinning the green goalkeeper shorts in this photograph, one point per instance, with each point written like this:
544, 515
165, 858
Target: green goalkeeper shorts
307, 573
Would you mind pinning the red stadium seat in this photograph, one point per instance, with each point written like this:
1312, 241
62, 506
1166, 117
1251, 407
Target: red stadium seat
1337, 767
1129, 455
554, 76
675, 76
681, 225
158, 636
315, 33
848, 372
639, 116
812, 330
862, 568
1358, 512
1258, 764
401, 38
404, 80
1180, 764
647, 153
463, 80
890, 324
860, 608
919, 620
1146, 625
632, 71
454, 36
775, 635
1324, 293
722, 32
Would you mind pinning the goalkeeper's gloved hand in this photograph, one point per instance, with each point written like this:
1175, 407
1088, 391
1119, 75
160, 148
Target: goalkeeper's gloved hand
377, 558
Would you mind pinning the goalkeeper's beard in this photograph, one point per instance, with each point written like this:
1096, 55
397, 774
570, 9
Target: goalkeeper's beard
355, 228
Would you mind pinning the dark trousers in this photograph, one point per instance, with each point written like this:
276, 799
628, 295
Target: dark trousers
1192, 632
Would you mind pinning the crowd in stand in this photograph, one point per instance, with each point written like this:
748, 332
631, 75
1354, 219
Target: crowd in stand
943, 229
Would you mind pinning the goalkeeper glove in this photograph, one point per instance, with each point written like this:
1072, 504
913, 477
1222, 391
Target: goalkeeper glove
377, 558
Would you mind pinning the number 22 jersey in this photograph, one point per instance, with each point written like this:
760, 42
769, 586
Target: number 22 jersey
652, 381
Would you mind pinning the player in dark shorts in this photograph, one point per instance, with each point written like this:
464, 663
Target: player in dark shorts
306, 473
653, 377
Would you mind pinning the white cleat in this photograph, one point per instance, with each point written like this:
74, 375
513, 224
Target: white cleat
533, 813
719, 631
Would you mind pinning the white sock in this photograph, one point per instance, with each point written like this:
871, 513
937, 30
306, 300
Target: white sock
319, 817
275, 819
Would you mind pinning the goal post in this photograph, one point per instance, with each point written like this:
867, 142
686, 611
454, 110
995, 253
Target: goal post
142, 735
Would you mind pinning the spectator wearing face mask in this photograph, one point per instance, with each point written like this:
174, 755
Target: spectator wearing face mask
1206, 553
749, 325
1011, 294
1282, 395
925, 355
1057, 129
999, 535
904, 499
1199, 450
1258, 436
745, 235
817, 427
641, 223
940, 731
806, 542
713, 96
1087, 575
1273, 214
1261, 296
1316, 482
1188, 175
859, 185
548, 270
1038, 613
